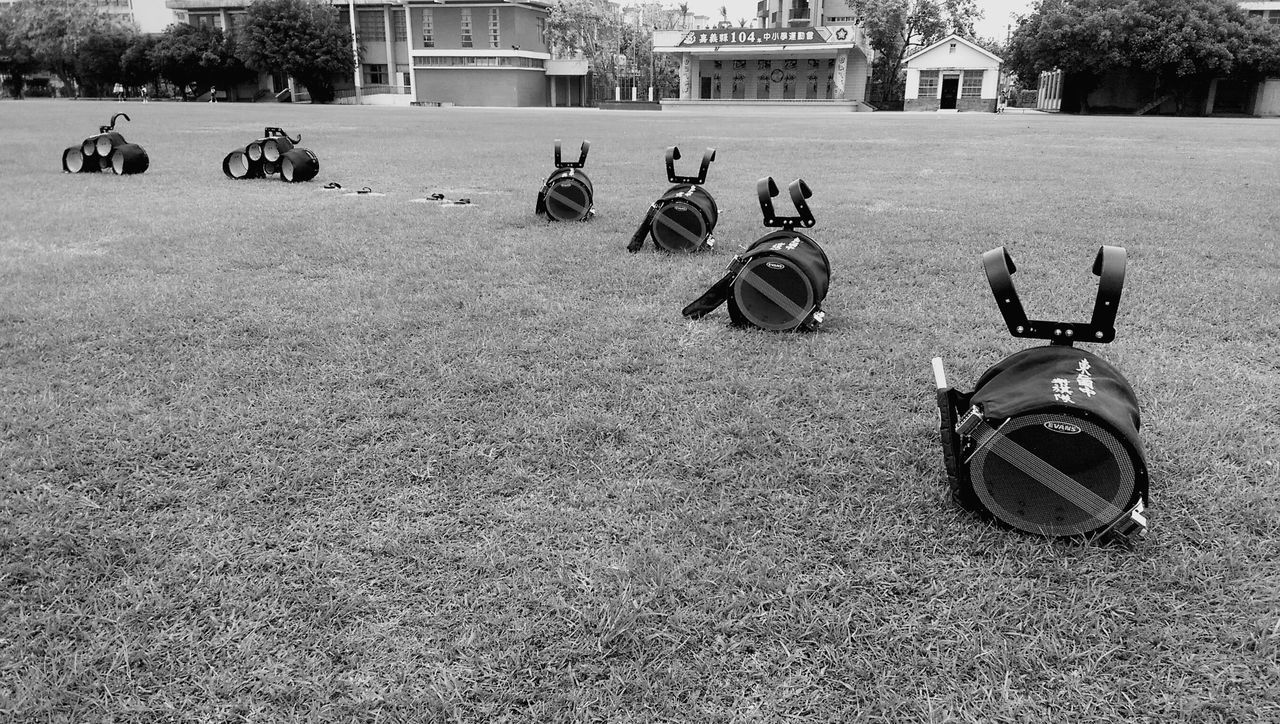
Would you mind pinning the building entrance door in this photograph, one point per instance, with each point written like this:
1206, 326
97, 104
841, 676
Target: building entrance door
950, 89
705, 90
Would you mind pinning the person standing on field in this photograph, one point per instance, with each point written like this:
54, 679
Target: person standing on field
119, 91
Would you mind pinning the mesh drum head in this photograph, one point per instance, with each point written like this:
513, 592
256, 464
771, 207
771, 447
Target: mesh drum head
238, 165
254, 150
772, 292
679, 227
1019, 474
568, 200
73, 160
274, 148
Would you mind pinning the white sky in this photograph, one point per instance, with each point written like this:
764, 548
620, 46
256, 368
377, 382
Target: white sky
997, 13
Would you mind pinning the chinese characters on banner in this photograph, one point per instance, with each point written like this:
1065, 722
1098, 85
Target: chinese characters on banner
752, 36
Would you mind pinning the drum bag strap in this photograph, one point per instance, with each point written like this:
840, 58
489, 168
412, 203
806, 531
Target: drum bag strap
541, 206
718, 294
637, 239
984, 435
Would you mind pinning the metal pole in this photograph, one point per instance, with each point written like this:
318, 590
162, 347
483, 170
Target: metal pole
355, 46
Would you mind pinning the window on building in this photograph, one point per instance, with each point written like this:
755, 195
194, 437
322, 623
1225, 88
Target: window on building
398, 30
928, 84
428, 29
478, 61
206, 20
1256, 13
971, 84
402, 74
369, 25
375, 73
494, 29
952, 49
466, 28
1274, 17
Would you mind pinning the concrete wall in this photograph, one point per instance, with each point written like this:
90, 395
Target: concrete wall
482, 86
1268, 99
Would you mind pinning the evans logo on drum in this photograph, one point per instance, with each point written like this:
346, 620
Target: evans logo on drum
1065, 428
774, 265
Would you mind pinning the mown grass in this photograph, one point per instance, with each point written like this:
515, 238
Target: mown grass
271, 453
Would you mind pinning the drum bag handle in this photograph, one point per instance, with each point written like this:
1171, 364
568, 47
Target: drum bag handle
673, 155
799, 191
582, 156
1108, 266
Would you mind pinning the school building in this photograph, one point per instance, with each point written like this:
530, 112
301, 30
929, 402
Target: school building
807, 53
443, 52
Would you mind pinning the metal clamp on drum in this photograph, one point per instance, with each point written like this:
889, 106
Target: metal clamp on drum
567, 193
274, 153
781, 280
683, 219
1047, 442
107, 150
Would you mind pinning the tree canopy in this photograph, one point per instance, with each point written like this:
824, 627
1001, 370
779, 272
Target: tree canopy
199, 55
306, 39
48, 34
1181, 44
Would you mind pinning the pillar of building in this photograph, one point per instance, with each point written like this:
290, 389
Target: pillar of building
408, 51
391, 48
856, 84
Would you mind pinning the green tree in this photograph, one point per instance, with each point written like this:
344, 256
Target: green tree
187, 55
897, 28
136, 67
1181, 45
307, 39
16, 57
97, 60
54, 30
593, 29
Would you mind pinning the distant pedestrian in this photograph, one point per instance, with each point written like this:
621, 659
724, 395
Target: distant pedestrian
144, 94
119, 91
213, 94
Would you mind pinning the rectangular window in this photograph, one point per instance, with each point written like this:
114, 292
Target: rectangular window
398, 30
1274, 17
494, 30
466, 28
928, 84
375, 74
428, 29
369, 25
478, 61
971, 84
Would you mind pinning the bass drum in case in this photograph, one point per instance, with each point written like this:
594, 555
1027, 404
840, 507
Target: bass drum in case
1047, 442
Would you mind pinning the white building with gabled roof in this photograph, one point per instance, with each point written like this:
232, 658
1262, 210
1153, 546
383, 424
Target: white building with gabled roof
953, 74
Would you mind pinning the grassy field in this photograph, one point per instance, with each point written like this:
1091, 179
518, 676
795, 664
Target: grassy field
271, 453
